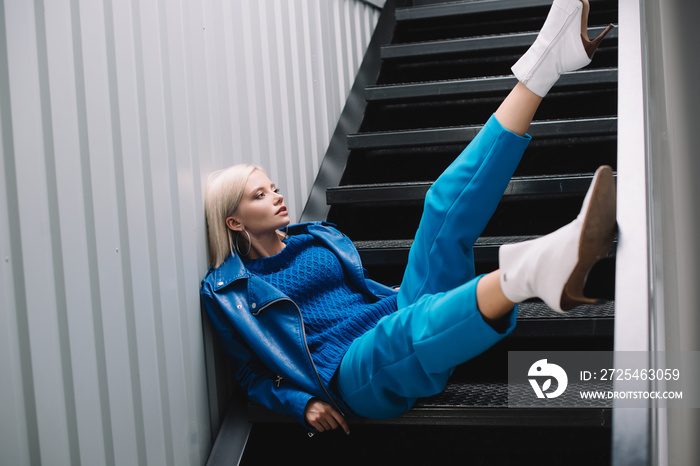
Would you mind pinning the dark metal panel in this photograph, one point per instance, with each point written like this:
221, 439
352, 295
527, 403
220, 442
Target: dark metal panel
463, 8
440, 136
412, 192
396, 251
460, 87
471, 44
232, 438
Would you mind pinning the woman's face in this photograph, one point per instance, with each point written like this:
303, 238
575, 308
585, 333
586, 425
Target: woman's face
261, 209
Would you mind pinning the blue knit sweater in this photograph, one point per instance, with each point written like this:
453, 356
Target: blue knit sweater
334, 312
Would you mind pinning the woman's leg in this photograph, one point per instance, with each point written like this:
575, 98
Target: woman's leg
462, 200
411, 353
445, 315
515, 113
554, 267
518, 109
490, 299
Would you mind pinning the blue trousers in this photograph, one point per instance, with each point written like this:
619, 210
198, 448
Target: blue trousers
411, 353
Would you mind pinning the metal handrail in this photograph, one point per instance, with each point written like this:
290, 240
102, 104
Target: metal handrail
631, 427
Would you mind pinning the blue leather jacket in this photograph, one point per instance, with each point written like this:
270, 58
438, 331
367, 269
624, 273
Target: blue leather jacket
262, 331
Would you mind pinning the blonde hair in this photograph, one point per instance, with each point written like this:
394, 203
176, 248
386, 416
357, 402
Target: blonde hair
223, 194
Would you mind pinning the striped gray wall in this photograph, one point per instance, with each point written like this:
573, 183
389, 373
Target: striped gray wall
112, 113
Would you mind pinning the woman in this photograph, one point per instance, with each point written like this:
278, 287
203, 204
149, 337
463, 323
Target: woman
312, 337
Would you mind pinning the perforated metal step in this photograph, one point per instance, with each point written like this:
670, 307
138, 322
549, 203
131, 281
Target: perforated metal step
482, 404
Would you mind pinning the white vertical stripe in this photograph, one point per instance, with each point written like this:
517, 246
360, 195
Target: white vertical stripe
72, 227
18, 419
33, 202
287, 125
148, 414
107, 227
113, 113
299, 107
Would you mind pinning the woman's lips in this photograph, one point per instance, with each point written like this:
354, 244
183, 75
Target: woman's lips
283, 210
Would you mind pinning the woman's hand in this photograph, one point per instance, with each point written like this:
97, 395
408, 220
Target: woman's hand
321, 416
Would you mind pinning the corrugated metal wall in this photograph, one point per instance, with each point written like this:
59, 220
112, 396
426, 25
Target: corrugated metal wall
112, 113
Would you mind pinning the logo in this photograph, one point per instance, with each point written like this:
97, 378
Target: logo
541, 369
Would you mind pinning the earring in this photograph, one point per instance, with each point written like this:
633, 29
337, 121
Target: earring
250, 244
230, 242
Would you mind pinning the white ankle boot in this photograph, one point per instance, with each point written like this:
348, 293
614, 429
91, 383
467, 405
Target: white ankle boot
554, 267
559, 47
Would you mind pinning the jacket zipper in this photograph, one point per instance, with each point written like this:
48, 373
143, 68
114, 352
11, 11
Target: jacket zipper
278, 381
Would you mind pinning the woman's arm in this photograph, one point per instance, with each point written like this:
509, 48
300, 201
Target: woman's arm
321, 416
257, 380
264, 388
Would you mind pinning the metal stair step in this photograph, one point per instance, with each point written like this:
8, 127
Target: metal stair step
546, 185
374, 193
465, 8
535, 319
464, 134
395, 251
470, 44
385, 252
461, 87
477, 404
469, 403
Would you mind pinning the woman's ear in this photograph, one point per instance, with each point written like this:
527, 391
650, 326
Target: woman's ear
233, 224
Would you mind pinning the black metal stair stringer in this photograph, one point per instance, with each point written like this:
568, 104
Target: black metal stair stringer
335, 159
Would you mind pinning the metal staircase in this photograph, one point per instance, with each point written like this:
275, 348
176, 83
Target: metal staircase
440, 76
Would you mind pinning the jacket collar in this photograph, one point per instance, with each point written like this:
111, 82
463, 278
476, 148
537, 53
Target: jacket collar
233, 268
230, 271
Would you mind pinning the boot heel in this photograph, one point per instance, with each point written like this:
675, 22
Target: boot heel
592, 45
596, 240
554, 267
569, 302
562, 45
